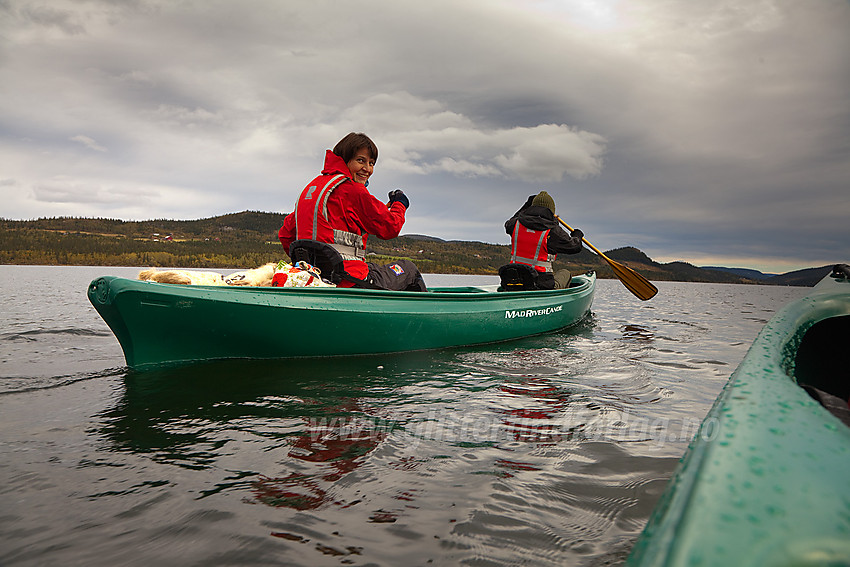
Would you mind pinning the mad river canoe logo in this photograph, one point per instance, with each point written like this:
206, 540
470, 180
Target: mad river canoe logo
532, 312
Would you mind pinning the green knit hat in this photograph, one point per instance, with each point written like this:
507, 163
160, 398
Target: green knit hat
544, 200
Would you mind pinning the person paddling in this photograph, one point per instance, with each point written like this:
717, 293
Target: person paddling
536, 239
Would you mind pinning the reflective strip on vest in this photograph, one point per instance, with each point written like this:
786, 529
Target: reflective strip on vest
536, 261
320, 200
348, 244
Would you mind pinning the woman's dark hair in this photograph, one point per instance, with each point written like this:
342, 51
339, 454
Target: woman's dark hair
348, 146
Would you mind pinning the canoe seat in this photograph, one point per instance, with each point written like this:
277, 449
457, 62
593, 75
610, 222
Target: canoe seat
518, 277
325, 257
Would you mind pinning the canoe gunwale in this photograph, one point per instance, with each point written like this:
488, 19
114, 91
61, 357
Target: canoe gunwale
475, 293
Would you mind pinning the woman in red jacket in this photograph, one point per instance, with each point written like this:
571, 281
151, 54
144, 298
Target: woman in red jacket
336, 208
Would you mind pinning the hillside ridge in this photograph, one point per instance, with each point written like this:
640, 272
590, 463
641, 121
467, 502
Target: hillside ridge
249, 238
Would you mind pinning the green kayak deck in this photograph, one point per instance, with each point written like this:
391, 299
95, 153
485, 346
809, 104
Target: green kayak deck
766, 480
172, 324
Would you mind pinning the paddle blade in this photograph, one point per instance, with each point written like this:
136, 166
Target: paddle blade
641, 287
634, 282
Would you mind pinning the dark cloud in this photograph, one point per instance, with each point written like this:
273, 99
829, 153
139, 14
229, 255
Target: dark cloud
711, 132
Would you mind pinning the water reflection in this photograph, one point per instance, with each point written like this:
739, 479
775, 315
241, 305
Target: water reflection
541, 403
338, 446
327, 415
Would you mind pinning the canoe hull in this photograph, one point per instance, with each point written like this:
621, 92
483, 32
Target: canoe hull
169, 324
764, 482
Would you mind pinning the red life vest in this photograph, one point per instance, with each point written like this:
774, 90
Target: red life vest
311, 218
529, 247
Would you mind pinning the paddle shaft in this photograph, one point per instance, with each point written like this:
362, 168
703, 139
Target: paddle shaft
641, 287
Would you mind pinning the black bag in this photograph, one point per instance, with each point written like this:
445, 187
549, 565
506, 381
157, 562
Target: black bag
518, 277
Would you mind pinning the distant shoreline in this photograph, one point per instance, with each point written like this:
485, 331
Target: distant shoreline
247, 239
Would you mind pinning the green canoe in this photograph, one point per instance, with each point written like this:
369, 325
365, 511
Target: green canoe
168, 324
766, 480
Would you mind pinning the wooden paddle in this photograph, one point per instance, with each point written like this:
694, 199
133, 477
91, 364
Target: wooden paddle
641, 287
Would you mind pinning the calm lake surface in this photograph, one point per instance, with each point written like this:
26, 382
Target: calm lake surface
544, 451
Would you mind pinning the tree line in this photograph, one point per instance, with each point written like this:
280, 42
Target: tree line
239, 240
249, 239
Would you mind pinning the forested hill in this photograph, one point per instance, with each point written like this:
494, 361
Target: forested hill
247, 224
249, 239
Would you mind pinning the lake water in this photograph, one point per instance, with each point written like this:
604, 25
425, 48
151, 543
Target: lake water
545, 451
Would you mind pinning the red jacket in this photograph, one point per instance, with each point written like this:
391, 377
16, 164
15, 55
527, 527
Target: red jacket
350, 208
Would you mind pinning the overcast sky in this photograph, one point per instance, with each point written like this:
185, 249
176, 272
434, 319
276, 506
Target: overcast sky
714, 132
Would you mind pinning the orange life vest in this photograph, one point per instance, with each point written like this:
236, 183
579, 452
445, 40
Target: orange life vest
311, 218
529, 247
